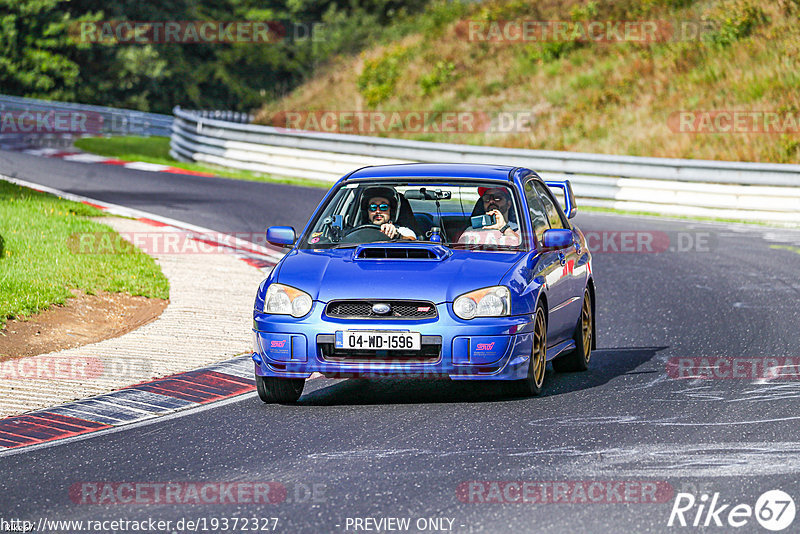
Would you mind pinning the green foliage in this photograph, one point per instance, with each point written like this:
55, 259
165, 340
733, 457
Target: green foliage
586, 12
377, 81
791, 7
442, 72
44, 56
36, 51
790, 148
551, 51
735, 20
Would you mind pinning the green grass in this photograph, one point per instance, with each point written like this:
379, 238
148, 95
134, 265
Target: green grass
786, 247
156, 150
152, 149
40, 263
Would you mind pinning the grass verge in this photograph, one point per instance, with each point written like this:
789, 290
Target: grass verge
38, 268
156, 150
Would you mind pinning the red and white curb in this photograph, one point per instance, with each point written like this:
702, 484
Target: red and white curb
85, 157
132, 405
259, 256
136, 403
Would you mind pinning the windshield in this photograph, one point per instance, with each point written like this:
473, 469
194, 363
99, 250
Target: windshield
465, 215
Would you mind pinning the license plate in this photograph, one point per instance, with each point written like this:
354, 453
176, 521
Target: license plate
378, 340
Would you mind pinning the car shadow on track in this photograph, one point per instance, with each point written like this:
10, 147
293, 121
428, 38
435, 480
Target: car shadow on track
606, 365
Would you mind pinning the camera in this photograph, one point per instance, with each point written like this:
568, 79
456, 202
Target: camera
479, 221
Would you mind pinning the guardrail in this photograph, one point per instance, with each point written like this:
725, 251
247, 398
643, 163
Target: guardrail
751, 191
28, 122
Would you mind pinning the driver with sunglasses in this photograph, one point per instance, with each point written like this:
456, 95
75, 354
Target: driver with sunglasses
379, 205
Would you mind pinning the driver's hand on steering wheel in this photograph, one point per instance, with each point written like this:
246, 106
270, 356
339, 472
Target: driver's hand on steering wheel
389, 229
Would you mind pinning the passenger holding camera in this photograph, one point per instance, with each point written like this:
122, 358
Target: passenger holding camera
497, 203
496, 225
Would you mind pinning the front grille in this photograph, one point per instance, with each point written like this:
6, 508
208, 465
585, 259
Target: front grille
430, 352
399, 309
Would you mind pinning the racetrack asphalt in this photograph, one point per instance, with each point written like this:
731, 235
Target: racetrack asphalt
403, 448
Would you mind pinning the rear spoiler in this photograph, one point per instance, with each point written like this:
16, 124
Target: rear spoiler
570, 208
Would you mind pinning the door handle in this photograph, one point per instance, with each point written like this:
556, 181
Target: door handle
562, 258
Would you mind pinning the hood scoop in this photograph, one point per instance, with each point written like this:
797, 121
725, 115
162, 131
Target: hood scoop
385, 251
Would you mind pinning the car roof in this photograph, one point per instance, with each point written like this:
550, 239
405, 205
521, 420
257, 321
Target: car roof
434, 170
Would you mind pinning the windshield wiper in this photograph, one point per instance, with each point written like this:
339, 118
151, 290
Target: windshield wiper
485, 246
466, 246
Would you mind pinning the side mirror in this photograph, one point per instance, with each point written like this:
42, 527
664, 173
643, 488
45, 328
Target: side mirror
557, 238
281, 235
570, 207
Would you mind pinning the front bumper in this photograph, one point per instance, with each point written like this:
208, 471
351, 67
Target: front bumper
489, 348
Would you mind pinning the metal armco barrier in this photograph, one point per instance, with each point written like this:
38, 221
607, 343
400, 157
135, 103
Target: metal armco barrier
767, 192
32, 122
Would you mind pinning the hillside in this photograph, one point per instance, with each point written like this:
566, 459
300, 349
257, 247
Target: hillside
614, 95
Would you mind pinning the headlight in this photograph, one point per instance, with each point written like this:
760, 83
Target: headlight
286, 300
487, 302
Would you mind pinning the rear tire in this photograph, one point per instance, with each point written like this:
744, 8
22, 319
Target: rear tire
578, 359
281, 390
532, 384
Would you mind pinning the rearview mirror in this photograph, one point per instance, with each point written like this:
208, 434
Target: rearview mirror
281, 235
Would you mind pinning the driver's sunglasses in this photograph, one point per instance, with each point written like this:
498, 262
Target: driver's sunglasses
376, 207
496, 198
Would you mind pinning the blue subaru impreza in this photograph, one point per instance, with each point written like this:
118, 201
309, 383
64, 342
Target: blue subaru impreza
471, 272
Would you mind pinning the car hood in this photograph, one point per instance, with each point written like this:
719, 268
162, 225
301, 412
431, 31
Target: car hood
337, 274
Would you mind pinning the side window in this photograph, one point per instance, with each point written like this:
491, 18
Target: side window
549, 206
536, 211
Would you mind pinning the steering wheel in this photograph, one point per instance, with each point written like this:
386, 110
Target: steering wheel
366, 233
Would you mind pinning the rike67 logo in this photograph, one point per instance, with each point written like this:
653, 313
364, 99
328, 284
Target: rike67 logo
774, 510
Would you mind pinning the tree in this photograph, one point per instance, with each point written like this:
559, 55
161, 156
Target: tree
35, 60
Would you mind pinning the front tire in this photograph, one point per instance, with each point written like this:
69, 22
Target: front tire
532, 384
578, 359
281, 390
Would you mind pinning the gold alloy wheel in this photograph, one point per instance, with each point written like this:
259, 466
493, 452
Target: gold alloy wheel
586, 326
539, 355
